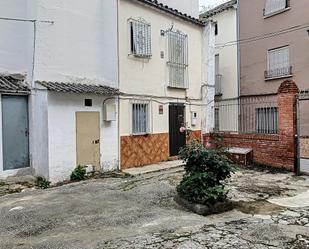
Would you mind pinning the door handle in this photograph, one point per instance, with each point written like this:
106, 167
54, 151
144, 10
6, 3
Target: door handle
26, 132
96, 141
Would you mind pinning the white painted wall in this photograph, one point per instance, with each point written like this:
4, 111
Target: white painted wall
150, 77
38, 116
16, 43
190, 7
81, 45
208, 77
62, 134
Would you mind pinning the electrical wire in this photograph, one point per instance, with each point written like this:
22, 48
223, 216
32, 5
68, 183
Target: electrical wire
264, 36
24, 20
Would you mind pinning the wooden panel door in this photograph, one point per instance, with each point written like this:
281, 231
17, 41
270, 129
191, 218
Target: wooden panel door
177, 139
88, 139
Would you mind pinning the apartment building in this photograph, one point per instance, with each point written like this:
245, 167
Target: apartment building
224, 17
273, 38
273, 41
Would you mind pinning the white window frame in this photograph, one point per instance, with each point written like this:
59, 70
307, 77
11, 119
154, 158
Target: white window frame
138, 126
275, 6
177, 62
278, 67
139, 38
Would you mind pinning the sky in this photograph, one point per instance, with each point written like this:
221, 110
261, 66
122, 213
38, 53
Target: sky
210, 2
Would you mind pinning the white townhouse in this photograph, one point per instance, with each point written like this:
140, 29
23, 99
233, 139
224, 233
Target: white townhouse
164, 79
59, 86
224, 17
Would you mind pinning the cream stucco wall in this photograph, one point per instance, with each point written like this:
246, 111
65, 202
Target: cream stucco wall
227, 32
142, 77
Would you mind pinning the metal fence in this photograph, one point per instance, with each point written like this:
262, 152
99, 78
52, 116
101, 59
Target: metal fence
303, 132
257, 115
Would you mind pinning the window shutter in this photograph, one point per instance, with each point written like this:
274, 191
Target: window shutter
274, 5
278, 62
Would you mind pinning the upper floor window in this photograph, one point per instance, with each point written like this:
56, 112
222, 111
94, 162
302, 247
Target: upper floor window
177, 59
273, 6
278, 63
216, 28
140, 38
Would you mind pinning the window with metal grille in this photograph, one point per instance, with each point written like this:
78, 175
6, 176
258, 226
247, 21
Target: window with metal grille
177, 59
140, 118
273, 6
140, 35
267, 120
278, 63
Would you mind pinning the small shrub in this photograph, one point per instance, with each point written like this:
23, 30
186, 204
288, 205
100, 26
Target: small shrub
78, 174
42, 183
206, 171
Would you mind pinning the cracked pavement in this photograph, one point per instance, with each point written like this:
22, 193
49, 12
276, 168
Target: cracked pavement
140, 212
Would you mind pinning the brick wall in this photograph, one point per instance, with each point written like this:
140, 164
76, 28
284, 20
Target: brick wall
275, 150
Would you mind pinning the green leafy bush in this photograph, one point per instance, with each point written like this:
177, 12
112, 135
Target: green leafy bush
78, 174
42, 183
206, 170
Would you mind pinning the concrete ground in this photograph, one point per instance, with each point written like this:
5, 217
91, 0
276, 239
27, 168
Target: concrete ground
140, 212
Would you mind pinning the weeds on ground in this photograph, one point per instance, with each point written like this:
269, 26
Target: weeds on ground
42, 183
79, 173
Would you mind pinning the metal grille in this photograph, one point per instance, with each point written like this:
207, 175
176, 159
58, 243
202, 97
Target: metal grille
140, 34
177, 59
267, 120
275, 5
140, 118
254, 114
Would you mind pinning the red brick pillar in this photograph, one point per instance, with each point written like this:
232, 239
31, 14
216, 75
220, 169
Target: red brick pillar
287, 123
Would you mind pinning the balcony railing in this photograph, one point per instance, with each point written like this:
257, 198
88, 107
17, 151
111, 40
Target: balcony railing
278, 73
218, 90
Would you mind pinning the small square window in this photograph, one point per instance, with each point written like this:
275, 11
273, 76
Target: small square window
88, 102
216, 28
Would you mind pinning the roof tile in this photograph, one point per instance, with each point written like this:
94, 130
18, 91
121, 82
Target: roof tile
79, 88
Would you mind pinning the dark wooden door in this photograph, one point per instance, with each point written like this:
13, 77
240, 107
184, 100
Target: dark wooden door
176, 120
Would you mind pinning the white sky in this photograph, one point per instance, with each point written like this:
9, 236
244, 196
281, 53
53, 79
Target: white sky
210, 2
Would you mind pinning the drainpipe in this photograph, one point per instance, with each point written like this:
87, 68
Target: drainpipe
297, 138
208, 77
238, 61
118, 61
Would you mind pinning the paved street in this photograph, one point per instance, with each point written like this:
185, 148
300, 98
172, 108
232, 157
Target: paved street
140, 212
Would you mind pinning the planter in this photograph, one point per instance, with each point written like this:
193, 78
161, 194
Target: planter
219, 207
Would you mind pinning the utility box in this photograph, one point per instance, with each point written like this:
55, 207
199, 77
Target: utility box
241, 156
110, 112
193, 118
